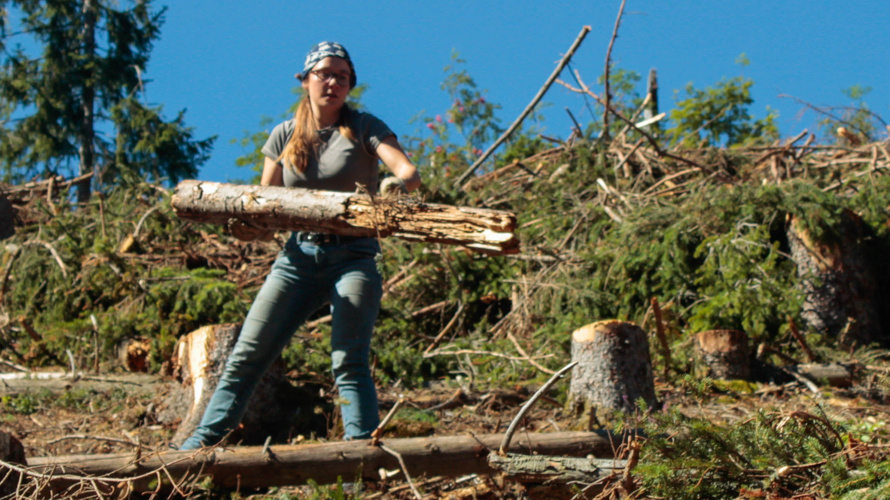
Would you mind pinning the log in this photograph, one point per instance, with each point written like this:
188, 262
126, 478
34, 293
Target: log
251, 467
350, 214
841, 297
833, 374
197, 364
725, 353
614, 369
555, 477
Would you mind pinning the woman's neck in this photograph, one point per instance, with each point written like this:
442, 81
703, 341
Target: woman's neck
325, 118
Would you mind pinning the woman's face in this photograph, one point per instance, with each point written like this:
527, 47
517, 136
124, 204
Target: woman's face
328, 83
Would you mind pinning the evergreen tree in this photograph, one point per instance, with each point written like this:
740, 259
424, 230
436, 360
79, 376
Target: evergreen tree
74, 109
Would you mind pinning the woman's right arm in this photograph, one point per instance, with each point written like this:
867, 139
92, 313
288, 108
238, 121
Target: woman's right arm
272, 173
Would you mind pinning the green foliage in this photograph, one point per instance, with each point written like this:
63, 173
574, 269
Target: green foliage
86, 78
79, 400
453, 140
719, 116
22, 404
708, 460
856, 116
70, 272
155, 149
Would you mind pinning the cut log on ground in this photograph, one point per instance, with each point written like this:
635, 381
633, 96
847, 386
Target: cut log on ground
555, 477
833, 374
259, 467
614, 369
841, 297
198, 362
725, 353
350, 214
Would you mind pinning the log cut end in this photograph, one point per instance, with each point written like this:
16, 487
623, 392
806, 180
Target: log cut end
725, 353
588, 333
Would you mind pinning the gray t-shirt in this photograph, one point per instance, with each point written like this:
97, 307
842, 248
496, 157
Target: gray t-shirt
341, 163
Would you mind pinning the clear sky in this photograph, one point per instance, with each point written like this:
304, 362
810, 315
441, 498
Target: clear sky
230, 63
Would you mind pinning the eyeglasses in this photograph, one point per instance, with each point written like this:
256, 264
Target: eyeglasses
325, 76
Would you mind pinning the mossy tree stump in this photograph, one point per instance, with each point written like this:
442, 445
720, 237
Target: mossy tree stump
725, 353
614, 369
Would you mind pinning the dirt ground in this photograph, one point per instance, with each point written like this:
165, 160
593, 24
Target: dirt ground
117, 413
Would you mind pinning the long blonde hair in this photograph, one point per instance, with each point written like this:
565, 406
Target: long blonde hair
304, 142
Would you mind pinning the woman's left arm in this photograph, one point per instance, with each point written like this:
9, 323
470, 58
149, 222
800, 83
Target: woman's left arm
395, 159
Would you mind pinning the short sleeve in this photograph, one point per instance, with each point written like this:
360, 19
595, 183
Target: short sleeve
373, 131
278, 139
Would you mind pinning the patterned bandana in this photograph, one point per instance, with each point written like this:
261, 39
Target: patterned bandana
326, 49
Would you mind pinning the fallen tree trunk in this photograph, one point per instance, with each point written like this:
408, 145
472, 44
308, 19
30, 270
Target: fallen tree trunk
545, 468
251, 467
556, 477
350, 214
833, 374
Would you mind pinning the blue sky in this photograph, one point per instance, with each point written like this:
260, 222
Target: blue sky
230, 63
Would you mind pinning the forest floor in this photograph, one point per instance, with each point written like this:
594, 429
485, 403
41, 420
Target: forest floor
115, 414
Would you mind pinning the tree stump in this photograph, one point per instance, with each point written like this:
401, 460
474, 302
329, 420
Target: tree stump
614, 369
841, 296
276, 409
12, 452
726, 353
7, 218
133, 354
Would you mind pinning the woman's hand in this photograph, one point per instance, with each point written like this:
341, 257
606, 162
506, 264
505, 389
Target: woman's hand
395, 159
392, 187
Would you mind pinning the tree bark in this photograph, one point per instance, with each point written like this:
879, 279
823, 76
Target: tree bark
7, 218
351, 214
555, 477
251, 467
841, 297
833, 374
88, 95
726, 353
614, 368
198, 362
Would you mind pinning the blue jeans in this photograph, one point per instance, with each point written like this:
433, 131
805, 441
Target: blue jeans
304, 277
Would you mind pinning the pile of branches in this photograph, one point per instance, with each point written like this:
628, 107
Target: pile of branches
608, 228
85, 278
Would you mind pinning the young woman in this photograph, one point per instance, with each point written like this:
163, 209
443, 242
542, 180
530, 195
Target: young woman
325, 146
